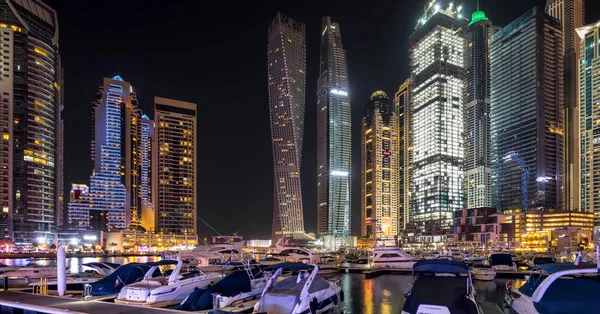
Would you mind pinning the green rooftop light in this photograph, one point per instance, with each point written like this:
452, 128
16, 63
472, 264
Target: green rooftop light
478, 16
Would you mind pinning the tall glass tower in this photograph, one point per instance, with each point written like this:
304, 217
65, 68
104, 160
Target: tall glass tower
589, 97
286, 55
437, 54
527, 113
379, 164
30, 122
403, 109
114, 183
478, 145
570, 13
333, 136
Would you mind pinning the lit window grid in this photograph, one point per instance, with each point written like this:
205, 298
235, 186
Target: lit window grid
176, 172
589, 92
425, 53
479, 187
286, 73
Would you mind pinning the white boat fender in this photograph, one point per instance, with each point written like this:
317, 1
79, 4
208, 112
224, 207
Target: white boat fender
342, 295
314, 305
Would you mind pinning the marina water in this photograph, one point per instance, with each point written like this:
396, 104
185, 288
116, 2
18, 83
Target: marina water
381, 295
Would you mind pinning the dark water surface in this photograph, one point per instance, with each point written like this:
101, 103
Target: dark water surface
381, 295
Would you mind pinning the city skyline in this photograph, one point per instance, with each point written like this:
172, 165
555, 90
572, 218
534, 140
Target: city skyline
261, 205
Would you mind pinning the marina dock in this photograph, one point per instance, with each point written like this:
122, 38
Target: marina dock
18, 302
372, 273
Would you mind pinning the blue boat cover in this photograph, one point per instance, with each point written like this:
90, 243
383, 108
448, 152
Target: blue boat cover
122, 276
441, 266
232, 285
556, 267
570, 296
294, 267
501, 259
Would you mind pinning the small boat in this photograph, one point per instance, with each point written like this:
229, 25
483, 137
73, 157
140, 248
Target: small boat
502, 262
305, 293
169, 288
441, 286
392, 257
556, 289
32, 271
481, 269
103, 268
540, 259
237, 288
122, 276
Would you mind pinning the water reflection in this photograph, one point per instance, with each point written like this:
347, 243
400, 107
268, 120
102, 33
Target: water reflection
76, 264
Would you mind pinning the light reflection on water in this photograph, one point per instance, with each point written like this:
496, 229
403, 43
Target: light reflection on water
384, 294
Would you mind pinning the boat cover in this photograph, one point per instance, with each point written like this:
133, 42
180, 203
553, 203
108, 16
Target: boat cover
102, 265
232, 285
289, 266
556, 267
450, 292
570, 296
501, 259
122, 276
284, 295
441, 266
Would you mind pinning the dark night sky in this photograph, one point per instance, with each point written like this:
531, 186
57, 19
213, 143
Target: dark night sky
213, 53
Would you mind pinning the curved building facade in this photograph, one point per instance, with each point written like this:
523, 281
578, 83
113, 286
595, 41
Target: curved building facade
30, 122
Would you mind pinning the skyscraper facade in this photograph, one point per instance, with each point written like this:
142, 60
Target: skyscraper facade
589, 96
379, 168
78, 214
147, 193
478, 143
334, 141
437, 53
570, 13
114, 183
30, 156
286, 58
402, 107
527, 113
175, 137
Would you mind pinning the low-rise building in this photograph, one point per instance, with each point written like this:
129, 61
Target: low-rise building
136, 241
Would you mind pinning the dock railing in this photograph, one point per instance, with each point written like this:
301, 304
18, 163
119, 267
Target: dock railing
42, 287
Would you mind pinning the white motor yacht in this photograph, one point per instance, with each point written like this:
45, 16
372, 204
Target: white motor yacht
304, 293
391, 257
502, 262
481, 269
32, 272
168, 289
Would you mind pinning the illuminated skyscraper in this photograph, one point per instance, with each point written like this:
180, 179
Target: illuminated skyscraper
115, 181
79, 207
176, 164
589, 96
333, 136
379, 168
478, 145
527, 113
30, 106
438, 55
570, 13
147, 193
402, 106
286, 54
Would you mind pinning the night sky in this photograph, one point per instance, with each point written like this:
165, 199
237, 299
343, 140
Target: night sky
213, 53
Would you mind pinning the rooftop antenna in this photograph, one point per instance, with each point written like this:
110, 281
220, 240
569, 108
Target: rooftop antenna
477, 5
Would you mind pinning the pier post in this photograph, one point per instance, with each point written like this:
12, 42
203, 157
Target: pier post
61, 271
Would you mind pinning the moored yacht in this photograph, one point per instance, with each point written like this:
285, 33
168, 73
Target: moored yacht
304, 293
170, 288
502, 262
391, 257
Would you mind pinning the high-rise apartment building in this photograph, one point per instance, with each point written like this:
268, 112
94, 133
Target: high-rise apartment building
30, 107
115, 180
570, 13
402, 107
334, 136
79, 207
589, 96
527, 113
147, 145
379, 168
438, 56
175, 166
286, 58
478, 143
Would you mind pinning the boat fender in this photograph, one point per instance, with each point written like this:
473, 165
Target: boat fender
314, 305
342, 295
